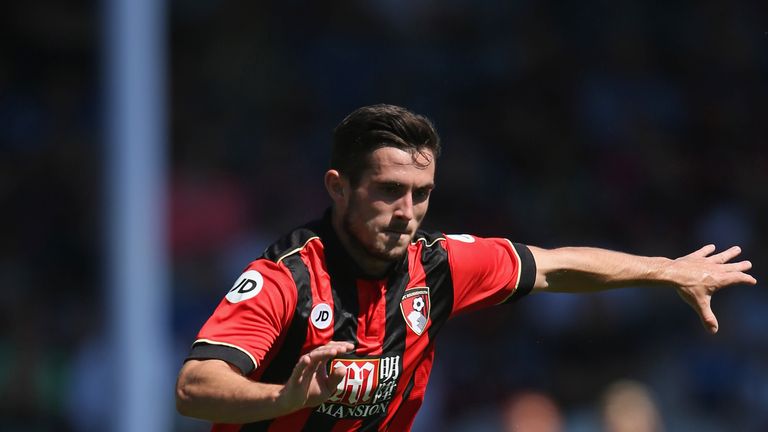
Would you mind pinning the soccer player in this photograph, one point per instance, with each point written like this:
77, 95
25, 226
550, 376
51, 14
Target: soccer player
333, 328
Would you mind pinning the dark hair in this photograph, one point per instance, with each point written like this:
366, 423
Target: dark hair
371, 127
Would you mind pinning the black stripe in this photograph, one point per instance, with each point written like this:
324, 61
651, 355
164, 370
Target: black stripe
318, 421
527, 273
289, 242
409, 387
281, 366
394, 329
206, 351
434, 259
261, 426
346, 308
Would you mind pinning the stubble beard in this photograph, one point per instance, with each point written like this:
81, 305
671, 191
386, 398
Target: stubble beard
371, 252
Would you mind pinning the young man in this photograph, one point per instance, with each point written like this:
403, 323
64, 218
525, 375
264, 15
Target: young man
333, 328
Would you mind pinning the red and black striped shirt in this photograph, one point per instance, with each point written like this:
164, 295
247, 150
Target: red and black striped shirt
306, 291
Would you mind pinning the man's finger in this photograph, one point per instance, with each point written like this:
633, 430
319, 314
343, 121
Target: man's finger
336, 376
317, 369
726, 255
300, 369
740, 266
323, 354
703, 252
338, 345
708, 318
710, 323
331, 350
735, 278
314, 361
342, 346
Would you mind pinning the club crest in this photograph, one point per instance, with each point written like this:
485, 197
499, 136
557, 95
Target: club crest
415, 307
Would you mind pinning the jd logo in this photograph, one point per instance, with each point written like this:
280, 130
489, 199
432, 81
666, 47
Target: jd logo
246, 286
321, 316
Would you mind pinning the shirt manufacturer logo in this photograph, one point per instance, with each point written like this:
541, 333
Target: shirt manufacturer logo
321, 316
367, 388
415, 306
247, 286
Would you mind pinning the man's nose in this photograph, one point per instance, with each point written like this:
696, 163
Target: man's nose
404, 209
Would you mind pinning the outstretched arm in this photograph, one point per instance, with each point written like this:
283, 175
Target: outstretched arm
214, 390
696, 276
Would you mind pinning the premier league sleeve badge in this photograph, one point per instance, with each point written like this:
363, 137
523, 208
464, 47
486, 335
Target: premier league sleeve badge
415, 307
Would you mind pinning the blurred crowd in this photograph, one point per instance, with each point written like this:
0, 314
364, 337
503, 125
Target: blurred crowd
629, 125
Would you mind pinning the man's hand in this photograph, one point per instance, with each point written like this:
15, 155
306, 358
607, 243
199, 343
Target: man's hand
310, 384
696, 276
699, 275
216, 391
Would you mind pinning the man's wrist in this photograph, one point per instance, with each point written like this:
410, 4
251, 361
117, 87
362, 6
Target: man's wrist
284, 402
661, 271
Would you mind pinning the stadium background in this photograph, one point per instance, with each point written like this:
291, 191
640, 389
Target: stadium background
638, 126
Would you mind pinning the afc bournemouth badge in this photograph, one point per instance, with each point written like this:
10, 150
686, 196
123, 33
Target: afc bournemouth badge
415, 308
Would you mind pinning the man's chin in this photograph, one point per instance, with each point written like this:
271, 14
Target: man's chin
389, 254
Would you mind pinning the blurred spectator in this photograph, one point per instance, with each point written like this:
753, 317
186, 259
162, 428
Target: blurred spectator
629, 406
531, 411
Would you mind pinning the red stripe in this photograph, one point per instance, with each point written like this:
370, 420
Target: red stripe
418, 361
406, 414
221, 427
272, 353
291, 422
372, 317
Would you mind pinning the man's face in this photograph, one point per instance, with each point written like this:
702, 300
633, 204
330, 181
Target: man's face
386, 207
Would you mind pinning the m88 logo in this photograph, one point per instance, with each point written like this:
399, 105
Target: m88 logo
367, 388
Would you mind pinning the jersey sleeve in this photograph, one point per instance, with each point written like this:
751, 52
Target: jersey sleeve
488, 271
249, 319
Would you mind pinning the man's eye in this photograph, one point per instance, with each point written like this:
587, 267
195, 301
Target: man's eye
421, 194
392, 189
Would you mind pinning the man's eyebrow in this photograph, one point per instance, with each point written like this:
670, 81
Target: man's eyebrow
399, 184
387, 183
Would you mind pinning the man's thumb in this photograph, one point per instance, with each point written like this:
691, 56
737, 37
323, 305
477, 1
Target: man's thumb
709, 320
337, 375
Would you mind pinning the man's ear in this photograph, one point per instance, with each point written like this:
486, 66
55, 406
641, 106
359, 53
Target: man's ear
334, 184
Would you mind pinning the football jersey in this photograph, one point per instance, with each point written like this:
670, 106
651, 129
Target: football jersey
306, 291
